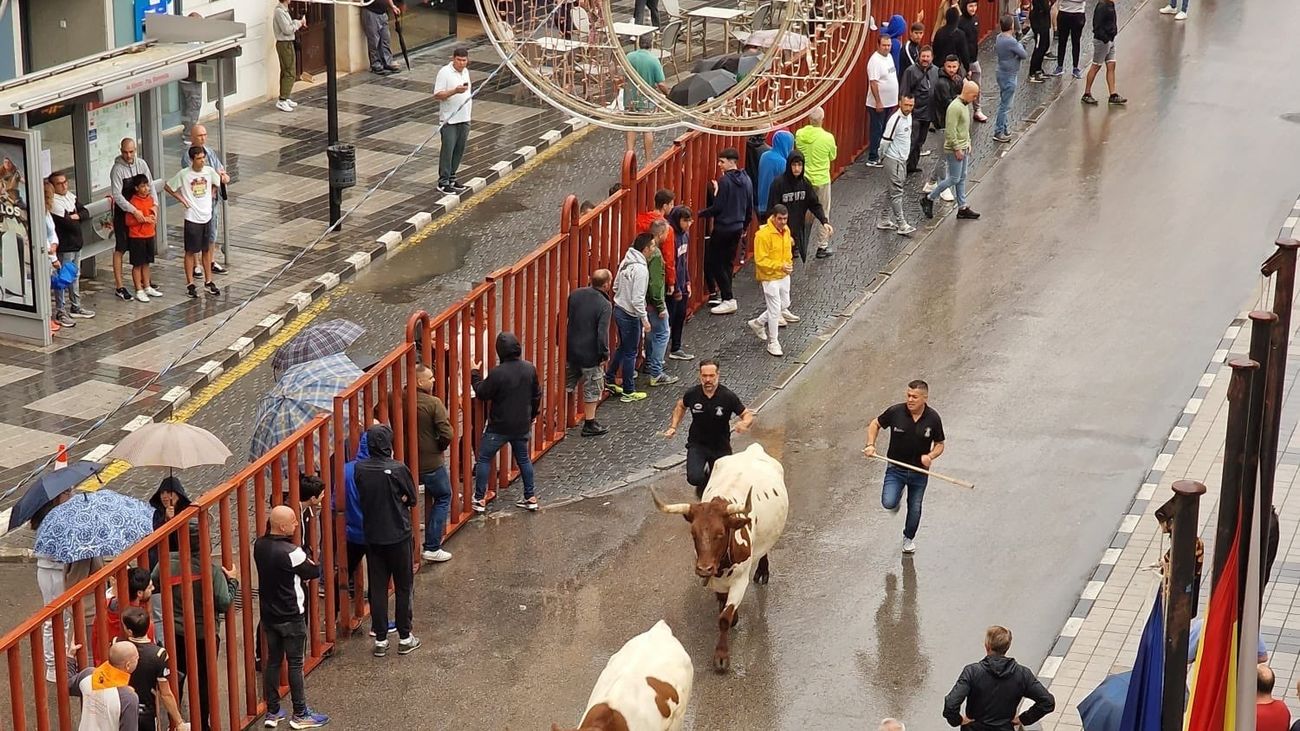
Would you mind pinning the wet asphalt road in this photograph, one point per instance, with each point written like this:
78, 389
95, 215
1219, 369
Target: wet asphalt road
1061, 334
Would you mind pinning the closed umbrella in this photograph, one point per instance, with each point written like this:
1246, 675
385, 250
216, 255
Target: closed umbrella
699, 88
317, 341
303, 392
50, 485
170, 444
787, 40
93, 525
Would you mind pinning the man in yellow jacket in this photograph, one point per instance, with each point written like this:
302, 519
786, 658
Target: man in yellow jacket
773, 262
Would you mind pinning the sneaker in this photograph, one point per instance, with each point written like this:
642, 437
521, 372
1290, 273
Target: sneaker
218, 269
725, 308
141, 296
291, 103
663, 379
198, 271
875, 164
824, 253
886, 225
715, 299
681, 355
774, 348
212, 288
479, 506
782, 322
1002, 139
909, 546
459, 189
633, 397
925, 153
1115, 99
445, 187
192, 291
381, 648
438, 556
123, 294
1168, 10
50, 677
283, 106
54, 327
1050, 54
927, 206
593, 428
408, 644
1088, 99
1077, 73
1057, 71
906, 230
152, 292
981, 117
613, 387
273, 718
65, 320
759, 329
1037, 78
968, 214
392, 627
947, 196
529, 504
82, 313
789, 316
1182, 15
310, 719
928, 187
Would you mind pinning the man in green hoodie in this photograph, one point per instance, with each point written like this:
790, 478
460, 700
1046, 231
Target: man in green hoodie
957, 149
657, 344
819, 152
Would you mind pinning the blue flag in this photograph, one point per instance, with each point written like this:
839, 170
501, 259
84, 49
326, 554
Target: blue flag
1142, 704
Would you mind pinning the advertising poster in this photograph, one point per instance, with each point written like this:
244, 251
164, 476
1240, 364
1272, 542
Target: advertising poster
17, 253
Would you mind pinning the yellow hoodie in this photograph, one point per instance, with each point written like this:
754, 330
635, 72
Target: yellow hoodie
772, 251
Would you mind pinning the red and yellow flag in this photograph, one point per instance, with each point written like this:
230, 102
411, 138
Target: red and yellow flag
1212, 705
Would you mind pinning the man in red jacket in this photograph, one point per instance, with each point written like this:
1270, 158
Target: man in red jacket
664, 200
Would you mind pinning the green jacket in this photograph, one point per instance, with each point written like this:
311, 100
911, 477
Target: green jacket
222, 593
654, 293
956, 131
819, 153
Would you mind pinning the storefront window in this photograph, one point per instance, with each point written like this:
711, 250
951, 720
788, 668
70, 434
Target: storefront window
427, 22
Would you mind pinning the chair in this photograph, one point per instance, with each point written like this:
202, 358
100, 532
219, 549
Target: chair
757, 21
667, 50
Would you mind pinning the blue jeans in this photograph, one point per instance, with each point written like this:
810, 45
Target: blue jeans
71, 295
878, 120
1174, 4
488, 448
629, 340
1007, 87
437, 506
896, 478
956, 178
657, 345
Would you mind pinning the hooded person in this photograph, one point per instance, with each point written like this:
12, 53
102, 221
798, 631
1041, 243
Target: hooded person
771, 166
969, 24
896, 30
354, 523
992, 690
514, 398
732, 209
169, 499
386, 494
950, 40
799, 196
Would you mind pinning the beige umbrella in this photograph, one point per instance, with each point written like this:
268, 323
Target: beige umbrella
170, 444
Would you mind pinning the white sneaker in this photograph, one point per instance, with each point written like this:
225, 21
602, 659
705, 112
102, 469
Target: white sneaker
1181, 16
726, 308
906, 229
925, 153
292, 103
774, 348
928, 187
438, 556
886, 225
760, 330
152, 292
50, 677
909, 546
1168, 10
283, 106
140, 296
947, 195
789, 316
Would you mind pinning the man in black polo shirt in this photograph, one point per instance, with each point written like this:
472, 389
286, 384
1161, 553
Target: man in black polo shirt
149, 679
711, 405
915, 438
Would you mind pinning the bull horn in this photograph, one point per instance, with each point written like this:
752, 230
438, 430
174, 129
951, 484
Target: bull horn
670, 508
734, 509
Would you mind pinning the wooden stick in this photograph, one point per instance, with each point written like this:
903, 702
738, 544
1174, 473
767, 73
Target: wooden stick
927, 473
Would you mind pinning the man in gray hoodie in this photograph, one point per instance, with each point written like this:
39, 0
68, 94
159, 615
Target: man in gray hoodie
127, 165
630, 285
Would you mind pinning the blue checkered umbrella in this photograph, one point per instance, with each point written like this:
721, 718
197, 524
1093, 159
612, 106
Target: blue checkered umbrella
93, 525
302, 393
317, 341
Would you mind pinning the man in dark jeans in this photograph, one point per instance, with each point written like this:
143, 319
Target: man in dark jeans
711, 406
731, 210
515, 398
386, 494
993, 688
283, 568
434, 430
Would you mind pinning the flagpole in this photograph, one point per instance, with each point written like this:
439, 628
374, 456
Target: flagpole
1180, 599
1282, 267
1234, 453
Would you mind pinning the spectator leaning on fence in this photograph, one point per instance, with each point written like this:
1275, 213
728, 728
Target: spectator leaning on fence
433, 428
149, 679
514, 398
108, 702
587, 346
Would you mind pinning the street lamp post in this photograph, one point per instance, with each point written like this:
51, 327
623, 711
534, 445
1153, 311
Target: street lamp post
332, 112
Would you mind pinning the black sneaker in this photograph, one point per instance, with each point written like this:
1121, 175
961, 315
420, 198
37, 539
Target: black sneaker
218, 269
927, 206
192, 290
122, 294
479, 506
1117, 100
824, 253
1088, 99
715, 299
593, 428
459, 189
212, 288
381, 648
1037, 78
967, 214
529, 504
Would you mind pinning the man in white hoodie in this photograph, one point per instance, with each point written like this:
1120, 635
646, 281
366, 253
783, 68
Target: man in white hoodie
630, 316
127, 165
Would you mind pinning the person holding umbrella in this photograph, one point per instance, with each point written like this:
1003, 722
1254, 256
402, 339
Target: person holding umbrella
50, 577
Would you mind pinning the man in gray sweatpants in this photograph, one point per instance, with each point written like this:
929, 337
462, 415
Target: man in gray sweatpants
895, 146
374, 21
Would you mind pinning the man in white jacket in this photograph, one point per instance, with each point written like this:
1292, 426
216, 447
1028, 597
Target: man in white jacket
630, 284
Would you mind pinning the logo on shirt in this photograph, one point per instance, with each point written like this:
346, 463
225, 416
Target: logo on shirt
719, 411
697, 408
199, 187
927, 432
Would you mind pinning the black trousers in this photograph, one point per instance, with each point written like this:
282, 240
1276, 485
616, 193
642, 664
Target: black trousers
383, 563
182, 660
719, 256
285, 640
1069, 26
699, 464
919, 134
676, 320
1042, 40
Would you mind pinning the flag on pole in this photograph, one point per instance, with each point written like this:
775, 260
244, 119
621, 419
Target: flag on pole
1142, 704
1248, 622
1212, 705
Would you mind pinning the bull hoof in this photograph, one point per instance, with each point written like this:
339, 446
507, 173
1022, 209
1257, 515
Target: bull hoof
735, 619
760, 579
721, 662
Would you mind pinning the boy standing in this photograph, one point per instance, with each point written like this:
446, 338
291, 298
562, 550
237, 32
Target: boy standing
195, 188
1105, 26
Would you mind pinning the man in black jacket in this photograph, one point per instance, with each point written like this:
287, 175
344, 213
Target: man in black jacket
799, 196
918, 82
587, 348
951, 41
993, 688
386, 495
946, 88
68, 215
1105, 26
515, 399
731, 210
283, 568
970, 28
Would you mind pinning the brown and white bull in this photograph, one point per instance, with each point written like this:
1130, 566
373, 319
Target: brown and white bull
644, 687
736, 523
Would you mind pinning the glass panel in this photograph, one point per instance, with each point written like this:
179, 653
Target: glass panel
425, 23
56, 146
106, 126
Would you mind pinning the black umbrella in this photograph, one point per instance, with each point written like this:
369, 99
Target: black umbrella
51, 485
701, 87
401, 41
730, 62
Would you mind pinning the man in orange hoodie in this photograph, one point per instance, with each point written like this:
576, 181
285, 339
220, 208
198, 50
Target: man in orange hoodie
773, 262
664, 200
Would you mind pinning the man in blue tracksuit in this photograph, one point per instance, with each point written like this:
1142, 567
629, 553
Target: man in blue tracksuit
771, 166
731, 211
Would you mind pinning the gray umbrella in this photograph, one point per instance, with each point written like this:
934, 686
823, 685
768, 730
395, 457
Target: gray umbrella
317, 341
699, 88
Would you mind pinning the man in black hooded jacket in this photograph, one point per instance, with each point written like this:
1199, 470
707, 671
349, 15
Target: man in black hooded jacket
386, 495
993, 688
515, 399
793, 191
970, 28
951, 41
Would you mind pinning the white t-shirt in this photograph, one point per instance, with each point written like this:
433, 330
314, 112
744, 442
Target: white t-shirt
881, 69
455, 108
197, 190
896, 143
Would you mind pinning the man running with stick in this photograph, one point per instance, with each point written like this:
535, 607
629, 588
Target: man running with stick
916, 439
